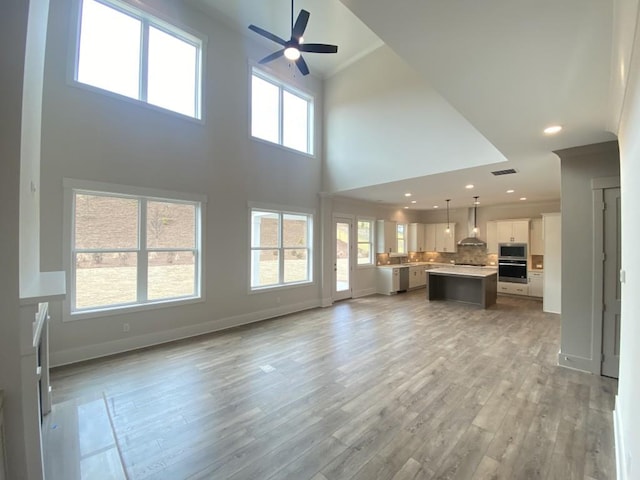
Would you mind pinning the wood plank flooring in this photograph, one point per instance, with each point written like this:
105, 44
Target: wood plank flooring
373, 388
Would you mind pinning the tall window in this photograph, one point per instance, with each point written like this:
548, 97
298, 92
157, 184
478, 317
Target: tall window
125, 51
402, 237
129, 250
365, 242
281, 114
280, 248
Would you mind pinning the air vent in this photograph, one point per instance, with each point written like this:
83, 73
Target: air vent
508, 171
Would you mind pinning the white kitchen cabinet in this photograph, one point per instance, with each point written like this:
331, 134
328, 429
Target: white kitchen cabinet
446, 241
387, 236
417, 277
416, 237
513, 231
536, 283
513, 288
388, 280
537, 237
492, 237
430, 237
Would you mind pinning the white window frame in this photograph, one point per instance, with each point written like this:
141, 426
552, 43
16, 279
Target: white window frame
372, 225
71, 187
147, 20
405, 228
281, 211
282, 87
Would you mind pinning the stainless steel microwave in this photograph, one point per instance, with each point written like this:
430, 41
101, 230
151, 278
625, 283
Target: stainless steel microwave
513, 251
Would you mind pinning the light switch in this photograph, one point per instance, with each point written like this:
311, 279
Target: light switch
623, 276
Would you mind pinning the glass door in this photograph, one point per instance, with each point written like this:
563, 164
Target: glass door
342, 267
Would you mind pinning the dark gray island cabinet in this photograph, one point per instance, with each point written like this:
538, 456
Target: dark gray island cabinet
476, 285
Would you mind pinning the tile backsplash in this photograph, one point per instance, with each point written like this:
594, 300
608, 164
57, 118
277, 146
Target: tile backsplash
465, 254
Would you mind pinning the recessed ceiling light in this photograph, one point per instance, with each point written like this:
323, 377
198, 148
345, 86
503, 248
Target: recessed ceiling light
407, 194
406, 208
435, 206
414, 201
552, 130
470, 186
523, 198
510, 191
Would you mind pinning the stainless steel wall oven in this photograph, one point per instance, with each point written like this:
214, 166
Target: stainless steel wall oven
510, 270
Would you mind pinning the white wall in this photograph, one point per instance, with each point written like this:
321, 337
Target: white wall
13, 34
578, 167
627, 412
384, 123
92, 136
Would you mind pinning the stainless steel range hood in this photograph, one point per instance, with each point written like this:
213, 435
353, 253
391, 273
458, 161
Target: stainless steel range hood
471, 240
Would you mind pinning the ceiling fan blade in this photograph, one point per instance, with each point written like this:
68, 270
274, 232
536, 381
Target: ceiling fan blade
269, 35
301, 25
302, 66
271, 57
318, 48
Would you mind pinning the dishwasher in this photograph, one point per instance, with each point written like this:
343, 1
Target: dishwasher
403, 284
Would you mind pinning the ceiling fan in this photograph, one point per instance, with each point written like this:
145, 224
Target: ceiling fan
291, 49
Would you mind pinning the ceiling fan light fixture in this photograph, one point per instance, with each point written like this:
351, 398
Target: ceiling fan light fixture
292, 53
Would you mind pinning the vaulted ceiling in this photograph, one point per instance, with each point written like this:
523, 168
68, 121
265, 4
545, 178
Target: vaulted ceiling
509, 68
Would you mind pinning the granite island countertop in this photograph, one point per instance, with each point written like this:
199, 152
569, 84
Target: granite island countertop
463, 271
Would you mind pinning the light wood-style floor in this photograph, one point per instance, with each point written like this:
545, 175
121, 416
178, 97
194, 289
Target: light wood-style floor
372, 388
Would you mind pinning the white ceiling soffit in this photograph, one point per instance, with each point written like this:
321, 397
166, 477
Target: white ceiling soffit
330, 22
537, 179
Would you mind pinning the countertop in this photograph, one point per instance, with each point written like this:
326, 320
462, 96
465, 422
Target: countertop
464, 271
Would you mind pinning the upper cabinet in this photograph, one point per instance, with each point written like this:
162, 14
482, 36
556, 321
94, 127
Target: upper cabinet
537, 237
387, 236
430, 237
417, 237
513, 231
445, 241
492, 237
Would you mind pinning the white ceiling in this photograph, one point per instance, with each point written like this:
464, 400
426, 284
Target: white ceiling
510, 68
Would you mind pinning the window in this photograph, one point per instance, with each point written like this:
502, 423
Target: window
402, 237
128, 52
131, 250
365, 242
281, 114
280, 248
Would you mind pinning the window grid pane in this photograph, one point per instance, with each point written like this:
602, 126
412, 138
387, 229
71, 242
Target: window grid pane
265, 229
171, 274
295, 118
105, 222
296, 265
172, 68
171, 225
265, 267
265, 106
105, 279
109, 52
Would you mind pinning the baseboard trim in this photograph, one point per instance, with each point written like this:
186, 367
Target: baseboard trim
90, 352
621, 471
574, 362
364, 293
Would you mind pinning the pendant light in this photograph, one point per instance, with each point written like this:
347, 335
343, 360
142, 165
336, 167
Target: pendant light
448, 229
475, 215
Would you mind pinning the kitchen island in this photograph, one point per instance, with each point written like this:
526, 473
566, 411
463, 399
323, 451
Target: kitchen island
476, 285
